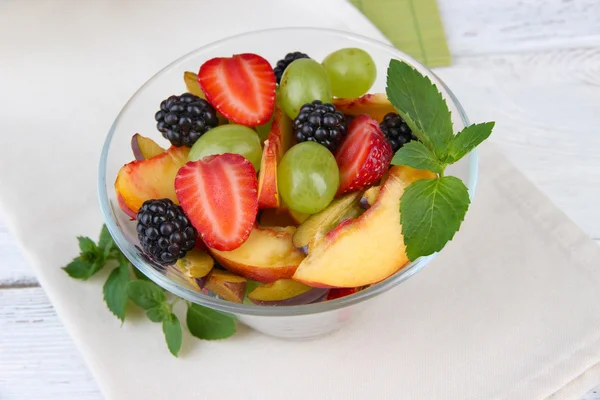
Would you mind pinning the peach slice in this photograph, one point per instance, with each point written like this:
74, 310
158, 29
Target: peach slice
124, 207
285, 292
314, 229
144, 148
148, 179
368, 249
375, 105
266, 256
280, 139
226, 285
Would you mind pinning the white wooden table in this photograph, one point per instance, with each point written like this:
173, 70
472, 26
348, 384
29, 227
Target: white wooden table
531, 65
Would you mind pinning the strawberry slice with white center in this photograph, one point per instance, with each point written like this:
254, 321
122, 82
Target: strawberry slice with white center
219, 194
363, 156
242, 87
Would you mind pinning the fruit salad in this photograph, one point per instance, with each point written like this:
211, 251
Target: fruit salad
277, 188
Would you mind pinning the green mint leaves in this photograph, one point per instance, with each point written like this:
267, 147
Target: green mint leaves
420, 104
417, 155
146, 294
467, 139
173, 334
208, 324
153, 299
92, 257
115, 289
122, 286
431, 210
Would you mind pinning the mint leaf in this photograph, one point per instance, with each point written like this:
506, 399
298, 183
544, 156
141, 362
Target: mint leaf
173, 335
79, 269
138, 274
208, 324
146, 294
431, 211
158, 314
467, 139
416, 155
421, 105
87, 245
115, 289
105, 239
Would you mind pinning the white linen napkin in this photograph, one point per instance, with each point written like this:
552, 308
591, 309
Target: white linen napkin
509, 310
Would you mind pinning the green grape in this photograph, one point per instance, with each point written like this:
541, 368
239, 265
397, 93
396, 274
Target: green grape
308, 177
351, 72
303, 81
229, 138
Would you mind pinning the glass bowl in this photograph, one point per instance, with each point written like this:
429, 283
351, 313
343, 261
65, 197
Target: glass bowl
137, 116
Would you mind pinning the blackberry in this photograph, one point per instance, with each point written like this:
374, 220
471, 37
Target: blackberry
321, 123
165, 232
183, 119
283, 64
396, 131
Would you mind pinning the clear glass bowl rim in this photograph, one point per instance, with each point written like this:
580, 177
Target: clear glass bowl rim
248, 309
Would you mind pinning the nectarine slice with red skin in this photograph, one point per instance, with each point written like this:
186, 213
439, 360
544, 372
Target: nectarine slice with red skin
375, 105
367, 249
149, 179
280, 139
266, 256
144, 148
124, 207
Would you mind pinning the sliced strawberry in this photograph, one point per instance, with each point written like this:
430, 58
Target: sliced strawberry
363, 156
219, 196
336, 293
242, 87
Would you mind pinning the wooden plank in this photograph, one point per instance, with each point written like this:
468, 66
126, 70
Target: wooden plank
14, 271
476, 27
38, 359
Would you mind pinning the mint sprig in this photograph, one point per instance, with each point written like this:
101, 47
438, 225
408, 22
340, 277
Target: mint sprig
115, 289
208, 324
122, 286
431, 210
420, 104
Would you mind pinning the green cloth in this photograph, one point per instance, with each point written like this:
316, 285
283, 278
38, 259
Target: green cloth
413, 26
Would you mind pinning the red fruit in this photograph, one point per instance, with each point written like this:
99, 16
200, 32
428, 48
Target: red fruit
336, 293
363, 156
242, 87
219, 196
